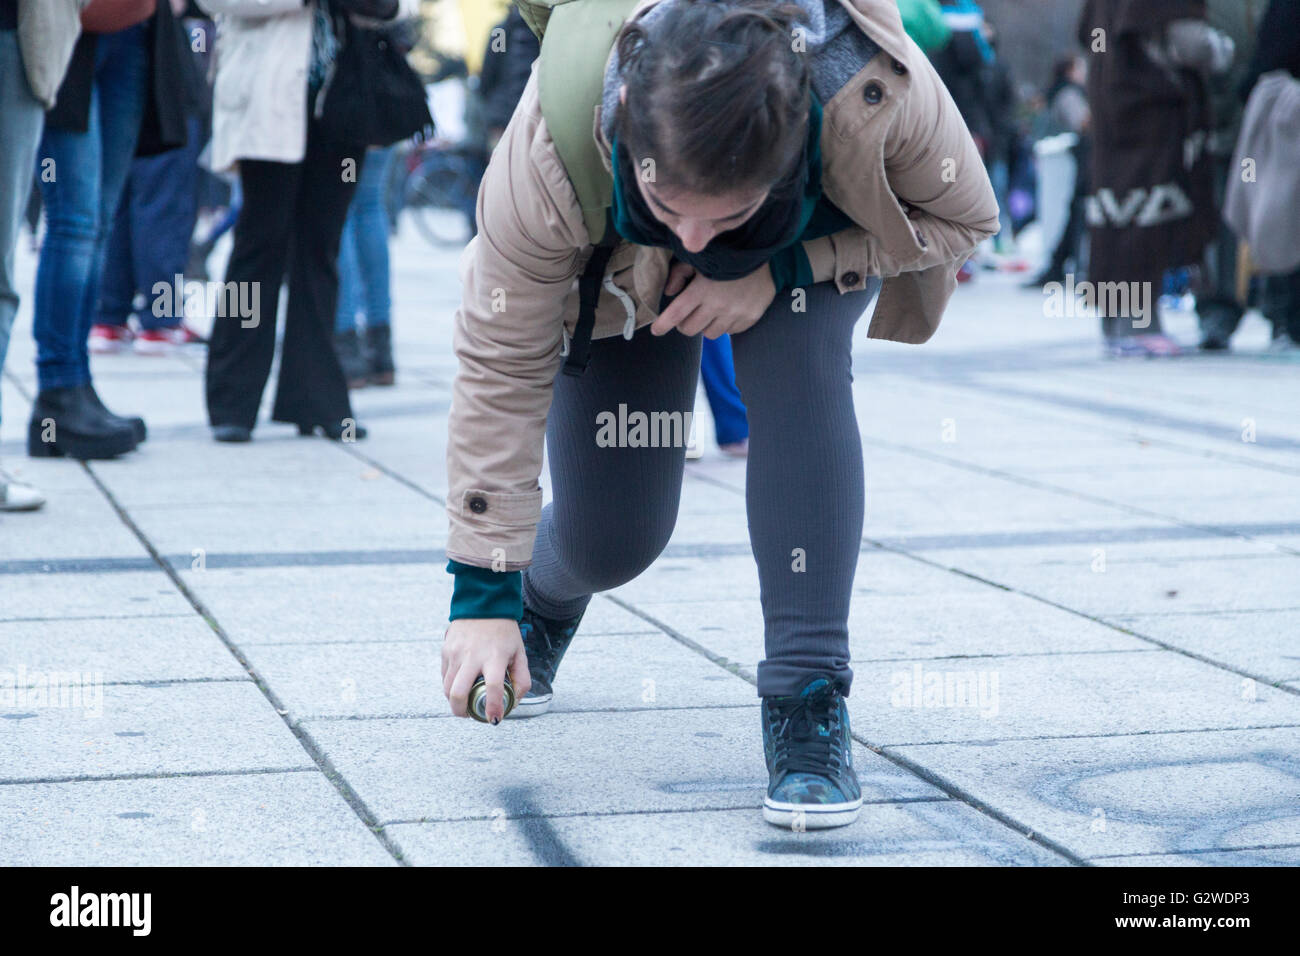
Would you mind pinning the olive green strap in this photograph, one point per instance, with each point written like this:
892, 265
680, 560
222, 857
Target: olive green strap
571, 77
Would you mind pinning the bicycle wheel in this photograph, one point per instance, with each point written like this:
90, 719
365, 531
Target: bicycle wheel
436, 196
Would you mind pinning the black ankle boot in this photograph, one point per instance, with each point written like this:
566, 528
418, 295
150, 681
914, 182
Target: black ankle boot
347, 346
134, 422
64, 422
379, 354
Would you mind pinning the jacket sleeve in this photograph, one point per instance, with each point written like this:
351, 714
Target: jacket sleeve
935, 171
515, 274
251, 8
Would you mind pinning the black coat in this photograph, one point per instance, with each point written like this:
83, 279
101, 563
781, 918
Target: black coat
1151, 207
1279, 43
505, 72
170, 96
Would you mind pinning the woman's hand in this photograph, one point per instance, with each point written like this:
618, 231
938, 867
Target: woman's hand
714, 308
487, 646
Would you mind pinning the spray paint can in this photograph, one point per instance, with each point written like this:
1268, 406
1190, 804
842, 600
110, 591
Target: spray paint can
478, 699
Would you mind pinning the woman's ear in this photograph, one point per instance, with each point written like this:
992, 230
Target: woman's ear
622, 94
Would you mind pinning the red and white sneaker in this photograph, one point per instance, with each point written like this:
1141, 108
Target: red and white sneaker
108, 339
166, 341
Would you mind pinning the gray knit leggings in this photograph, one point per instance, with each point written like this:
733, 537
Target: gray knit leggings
614, 507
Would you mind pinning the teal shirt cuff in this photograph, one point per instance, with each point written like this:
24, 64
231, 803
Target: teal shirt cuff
482, 592
791, 268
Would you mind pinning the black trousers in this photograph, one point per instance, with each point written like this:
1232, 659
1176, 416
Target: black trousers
615, 506
291, 221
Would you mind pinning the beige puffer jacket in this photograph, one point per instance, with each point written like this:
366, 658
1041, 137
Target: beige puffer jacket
897, 158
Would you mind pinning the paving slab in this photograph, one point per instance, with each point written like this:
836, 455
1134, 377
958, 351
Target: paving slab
1263, 642
999, 698
39, 597
942, 833
444, 768
120, 649
265, 819
600, 672
1144, 793
1273, 856
1156, 587
886, 627
147, 729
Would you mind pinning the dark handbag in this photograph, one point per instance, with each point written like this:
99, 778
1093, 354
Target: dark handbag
373, 97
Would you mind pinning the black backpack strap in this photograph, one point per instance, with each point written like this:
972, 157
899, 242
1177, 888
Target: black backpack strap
588, 295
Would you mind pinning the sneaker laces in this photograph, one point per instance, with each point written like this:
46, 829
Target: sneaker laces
801, 747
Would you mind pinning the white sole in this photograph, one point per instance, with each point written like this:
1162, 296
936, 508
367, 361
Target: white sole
814, 816
531, 706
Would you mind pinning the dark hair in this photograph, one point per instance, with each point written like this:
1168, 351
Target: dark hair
1062, 68
717, 95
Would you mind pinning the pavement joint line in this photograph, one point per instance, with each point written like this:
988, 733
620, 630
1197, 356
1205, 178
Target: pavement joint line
243, 560
898, 760
988, 741
308, 743
1198, 851
1087, 616
1130, 436
91, 617
392, 473
1050, 488
649, 811
168, 681
1242, 610
407, 640
1135, 416
558, 713
1005, 656
1088, 378
158, 775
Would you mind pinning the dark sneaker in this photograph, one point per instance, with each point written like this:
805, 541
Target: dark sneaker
545, 641
811, 781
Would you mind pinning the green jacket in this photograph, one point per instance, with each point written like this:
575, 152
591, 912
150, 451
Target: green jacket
923, 21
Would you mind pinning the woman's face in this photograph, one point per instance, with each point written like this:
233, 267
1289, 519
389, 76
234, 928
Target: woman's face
695, 217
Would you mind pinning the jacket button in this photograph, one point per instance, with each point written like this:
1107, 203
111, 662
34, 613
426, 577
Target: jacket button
872, 92
478, 505
850, 278
898, 68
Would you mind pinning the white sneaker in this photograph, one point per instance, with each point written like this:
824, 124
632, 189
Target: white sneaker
17, 496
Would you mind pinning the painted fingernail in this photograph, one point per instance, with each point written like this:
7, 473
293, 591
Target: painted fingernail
495, 721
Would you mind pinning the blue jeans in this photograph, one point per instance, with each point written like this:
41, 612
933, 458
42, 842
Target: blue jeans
363, 249
81, 190
999, 178
150, 242
21, 116
719, 373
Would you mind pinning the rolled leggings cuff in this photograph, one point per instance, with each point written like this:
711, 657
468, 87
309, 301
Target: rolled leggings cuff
484, 593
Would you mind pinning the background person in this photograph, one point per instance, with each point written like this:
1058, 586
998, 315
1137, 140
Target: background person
1152, 203
31, 69
274, 57
123, 96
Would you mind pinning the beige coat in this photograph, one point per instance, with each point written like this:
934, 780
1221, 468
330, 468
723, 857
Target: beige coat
47, 32
897, 159
259, 103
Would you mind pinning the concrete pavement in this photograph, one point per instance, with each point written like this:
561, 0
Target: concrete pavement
1074, 627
